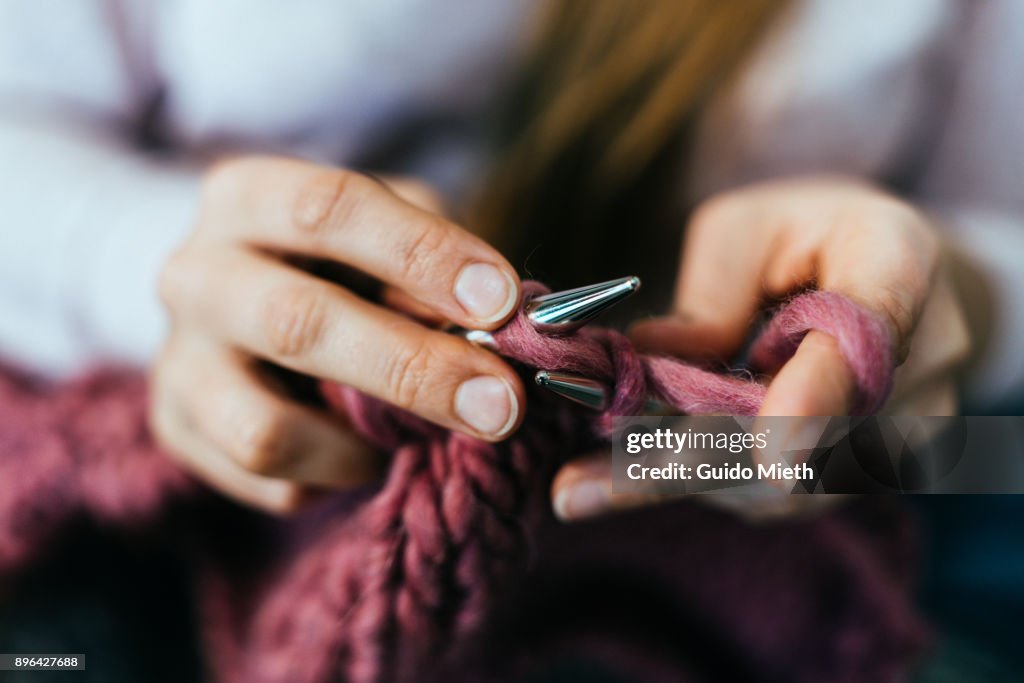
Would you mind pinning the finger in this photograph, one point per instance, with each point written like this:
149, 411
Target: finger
815, 381
295, 206
317, 328
398, 300
417, 193
275, 496
271, 436
718, 289
893, 281
200, 456
583, 489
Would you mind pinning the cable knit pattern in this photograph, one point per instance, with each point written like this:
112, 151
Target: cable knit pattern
377, 592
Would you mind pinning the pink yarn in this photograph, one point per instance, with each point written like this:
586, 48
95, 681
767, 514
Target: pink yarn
605, 354
863, 339
381, 590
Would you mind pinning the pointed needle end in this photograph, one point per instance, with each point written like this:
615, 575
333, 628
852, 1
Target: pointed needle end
586, 392
564, 312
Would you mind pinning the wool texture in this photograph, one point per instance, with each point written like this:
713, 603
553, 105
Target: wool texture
394, 586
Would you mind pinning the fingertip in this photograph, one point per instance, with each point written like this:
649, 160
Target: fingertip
567, 475
515, 385
785, 398
487, 294
518, 407
583, 500
283, 499
815, 381
560, 504
582, 488
489, 406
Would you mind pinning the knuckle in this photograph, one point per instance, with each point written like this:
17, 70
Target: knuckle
265, 446
327, 202
406, 373
294, 321
421, 249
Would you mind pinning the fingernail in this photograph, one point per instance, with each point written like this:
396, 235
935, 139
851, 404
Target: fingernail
485, 292
487, 404
585, 499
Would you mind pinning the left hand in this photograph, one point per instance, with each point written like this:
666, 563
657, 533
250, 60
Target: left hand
768, 240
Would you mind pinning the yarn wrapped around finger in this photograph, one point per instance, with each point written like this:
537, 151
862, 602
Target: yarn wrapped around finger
606, 355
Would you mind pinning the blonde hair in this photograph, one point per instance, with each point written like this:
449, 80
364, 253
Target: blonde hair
611, 86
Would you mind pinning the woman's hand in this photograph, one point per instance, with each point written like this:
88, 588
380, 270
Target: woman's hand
235, 301
766, 241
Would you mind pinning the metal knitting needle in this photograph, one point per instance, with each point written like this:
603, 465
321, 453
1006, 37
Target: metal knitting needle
565, 312
589, 392
561, 313
586, 392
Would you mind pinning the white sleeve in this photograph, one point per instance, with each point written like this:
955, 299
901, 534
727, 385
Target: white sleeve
85, 217
973, 181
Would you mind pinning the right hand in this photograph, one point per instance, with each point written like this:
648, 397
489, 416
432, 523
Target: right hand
235, 301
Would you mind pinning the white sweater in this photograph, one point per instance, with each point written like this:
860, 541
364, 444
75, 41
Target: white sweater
926, 91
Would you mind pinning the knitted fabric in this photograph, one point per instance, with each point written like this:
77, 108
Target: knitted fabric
377, 589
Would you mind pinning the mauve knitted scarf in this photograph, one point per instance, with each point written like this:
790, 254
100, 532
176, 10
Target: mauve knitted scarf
453, 568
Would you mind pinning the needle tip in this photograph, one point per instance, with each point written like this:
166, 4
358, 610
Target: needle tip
563, 312
580, 390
